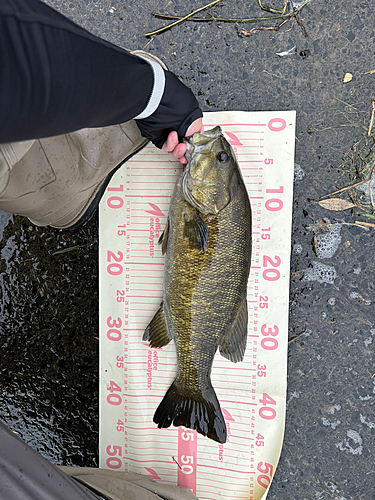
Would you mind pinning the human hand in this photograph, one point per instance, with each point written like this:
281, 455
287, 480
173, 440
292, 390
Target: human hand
178, 149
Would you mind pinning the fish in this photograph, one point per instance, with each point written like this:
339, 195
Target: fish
207, 247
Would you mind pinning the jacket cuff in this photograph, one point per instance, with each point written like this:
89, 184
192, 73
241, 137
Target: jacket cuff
157, 89
178, 108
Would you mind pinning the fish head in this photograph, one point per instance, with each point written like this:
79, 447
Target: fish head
210, 175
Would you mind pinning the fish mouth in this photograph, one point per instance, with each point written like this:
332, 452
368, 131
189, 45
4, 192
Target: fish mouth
189, 149
200, 141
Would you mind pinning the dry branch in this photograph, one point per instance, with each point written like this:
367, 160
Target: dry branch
183, 18
279, 14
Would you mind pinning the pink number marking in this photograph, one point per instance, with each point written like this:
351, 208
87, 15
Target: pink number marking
187, 459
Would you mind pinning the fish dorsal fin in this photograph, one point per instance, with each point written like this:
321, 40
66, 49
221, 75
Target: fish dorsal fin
196, 230
233, 346
163, 240
156, 333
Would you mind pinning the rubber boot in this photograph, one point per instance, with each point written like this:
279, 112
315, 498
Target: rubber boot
26, 475
59, 181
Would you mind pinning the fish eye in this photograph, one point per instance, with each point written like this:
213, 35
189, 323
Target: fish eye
222, 156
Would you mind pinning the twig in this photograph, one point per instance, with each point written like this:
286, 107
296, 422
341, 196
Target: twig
295, 13
356, 223
348, 105
372, 117
177, 462
287, 31
344, 189
220, 19
296, 337
356, 185
76, 247
148, 43
242, 32
360, 223
182, 18
369, 186
351, 224
332, 127
268, 9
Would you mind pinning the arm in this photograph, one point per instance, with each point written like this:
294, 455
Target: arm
56, 78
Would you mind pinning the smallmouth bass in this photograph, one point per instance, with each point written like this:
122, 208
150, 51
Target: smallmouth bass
207, 242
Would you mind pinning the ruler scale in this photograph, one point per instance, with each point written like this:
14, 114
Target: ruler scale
134, 377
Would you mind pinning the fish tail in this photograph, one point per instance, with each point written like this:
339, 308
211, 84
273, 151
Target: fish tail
195, 410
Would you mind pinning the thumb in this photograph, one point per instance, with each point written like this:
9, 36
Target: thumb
196, 126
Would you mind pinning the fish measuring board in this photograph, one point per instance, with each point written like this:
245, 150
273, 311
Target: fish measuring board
134, 377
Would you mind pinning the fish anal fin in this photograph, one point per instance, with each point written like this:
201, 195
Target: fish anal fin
196, 230
163, 240
199, 411
233, 346
156, 332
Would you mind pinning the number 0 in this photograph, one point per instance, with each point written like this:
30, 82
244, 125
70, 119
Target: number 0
277, 124
274, 205
113, 463
266, 479
115, 202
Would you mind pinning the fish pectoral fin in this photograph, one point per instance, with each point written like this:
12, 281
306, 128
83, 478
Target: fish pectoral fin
233, 346
196, 230
156, 333
163, 240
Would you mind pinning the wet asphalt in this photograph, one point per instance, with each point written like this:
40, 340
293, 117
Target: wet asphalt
49, 300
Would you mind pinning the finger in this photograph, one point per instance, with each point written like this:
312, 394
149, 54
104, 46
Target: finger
196, 126
179, 151
171, 142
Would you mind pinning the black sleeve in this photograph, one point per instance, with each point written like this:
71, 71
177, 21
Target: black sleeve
55, 77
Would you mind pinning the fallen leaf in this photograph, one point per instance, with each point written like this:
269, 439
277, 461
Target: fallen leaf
369, 72
347, 77
314, 243
336, 204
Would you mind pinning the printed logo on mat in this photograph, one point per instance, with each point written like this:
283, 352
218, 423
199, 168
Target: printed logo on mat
155, 210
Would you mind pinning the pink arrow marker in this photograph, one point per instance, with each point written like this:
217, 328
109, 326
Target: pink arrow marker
151, 473
155, 210
227, 415
233, 139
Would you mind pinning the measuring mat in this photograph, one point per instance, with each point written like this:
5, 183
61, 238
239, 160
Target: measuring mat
134, 377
